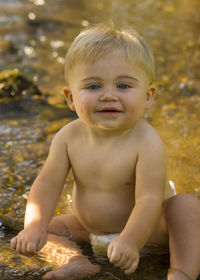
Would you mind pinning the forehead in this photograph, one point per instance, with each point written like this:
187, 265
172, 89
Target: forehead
113, 65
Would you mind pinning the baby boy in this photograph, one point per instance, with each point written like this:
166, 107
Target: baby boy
118, 163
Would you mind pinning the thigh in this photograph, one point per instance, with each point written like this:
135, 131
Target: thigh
68, 225
178, 211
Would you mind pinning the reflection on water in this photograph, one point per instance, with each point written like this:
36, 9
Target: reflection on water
34, 36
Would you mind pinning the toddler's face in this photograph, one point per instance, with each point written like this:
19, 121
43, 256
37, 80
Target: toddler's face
110, 94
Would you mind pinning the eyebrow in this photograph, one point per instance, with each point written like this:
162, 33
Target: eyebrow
128, 77
118, 77
90, 78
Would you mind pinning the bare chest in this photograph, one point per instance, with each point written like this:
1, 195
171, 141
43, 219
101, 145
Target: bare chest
102, 167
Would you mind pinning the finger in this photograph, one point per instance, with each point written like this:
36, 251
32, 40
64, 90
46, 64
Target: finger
109, 251
128, 263
115, 256
133, 267
13, 243
31, 247
18, 247
23, 246
123, 260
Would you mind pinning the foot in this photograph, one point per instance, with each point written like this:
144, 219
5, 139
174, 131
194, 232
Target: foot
79, 267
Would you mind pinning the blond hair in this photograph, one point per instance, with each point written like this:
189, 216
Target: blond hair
101, 40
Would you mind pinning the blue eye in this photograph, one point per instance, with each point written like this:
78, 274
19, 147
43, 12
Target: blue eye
93, 87
123, 86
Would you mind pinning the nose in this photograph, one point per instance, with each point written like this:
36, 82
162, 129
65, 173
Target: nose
108, 95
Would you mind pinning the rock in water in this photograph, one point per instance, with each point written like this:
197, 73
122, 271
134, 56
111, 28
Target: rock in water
14, 83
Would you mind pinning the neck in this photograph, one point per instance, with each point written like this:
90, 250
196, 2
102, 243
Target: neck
107, 134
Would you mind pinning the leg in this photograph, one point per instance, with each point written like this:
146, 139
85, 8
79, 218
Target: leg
66, 253
182, 214
179, 226
68, 225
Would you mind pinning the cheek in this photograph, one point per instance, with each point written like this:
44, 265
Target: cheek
86, 104
134, 103
130, 101
89, 101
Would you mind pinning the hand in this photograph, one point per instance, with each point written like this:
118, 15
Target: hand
122, 254
29, 241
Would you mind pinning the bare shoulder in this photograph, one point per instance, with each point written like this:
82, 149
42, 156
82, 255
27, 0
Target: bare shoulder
58, 161
67, 132
148, 139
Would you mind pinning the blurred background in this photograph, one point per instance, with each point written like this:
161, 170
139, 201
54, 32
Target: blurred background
34, 38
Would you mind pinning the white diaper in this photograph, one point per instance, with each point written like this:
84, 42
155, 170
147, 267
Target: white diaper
100, 242
172, 186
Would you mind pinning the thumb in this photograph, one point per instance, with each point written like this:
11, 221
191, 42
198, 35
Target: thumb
14, 243
109, 250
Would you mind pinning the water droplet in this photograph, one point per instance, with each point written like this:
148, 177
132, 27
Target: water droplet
24, 92
85, 23
8, 144
42, 38
31, 16
28, 50
56, 44
61, 60
39, 2
181, 85
35, 78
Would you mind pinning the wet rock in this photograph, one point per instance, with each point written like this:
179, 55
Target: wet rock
45, 24
25, 107
7, 47
14, 83
11, 273
21, 98
30, 107
9, 223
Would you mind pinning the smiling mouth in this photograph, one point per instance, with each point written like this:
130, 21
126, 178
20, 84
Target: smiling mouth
109, 110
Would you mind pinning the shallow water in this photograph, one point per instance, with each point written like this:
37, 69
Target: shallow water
34, 36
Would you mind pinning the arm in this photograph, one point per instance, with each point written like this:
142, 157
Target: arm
43, 198
149, 191
48, 186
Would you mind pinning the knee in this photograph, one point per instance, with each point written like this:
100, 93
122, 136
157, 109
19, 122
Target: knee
57, 227
182, 204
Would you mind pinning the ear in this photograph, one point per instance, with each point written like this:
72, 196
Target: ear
150, 96
69, 98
